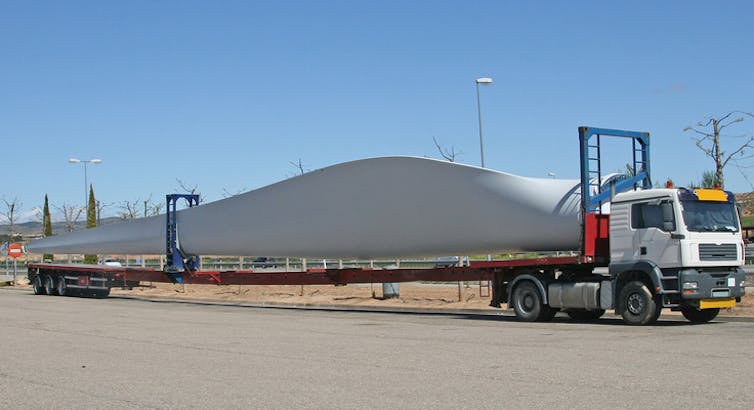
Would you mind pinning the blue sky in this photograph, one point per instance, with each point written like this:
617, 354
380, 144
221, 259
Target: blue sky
226, 94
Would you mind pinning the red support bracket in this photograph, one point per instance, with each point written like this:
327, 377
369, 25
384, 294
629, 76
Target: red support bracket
212, 274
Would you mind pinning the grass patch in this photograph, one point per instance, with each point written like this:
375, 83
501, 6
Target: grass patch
747, 221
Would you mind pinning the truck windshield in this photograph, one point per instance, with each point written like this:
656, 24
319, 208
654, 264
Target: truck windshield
710, 216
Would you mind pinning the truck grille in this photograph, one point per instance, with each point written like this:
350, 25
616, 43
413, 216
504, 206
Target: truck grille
714, 252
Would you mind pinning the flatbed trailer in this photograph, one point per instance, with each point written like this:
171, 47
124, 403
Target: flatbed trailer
96, 280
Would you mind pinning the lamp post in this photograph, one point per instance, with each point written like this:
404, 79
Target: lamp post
86, 181
482, 81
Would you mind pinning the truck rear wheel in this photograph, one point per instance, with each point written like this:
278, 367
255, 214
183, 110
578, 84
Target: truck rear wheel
528, 305
695, 315
49, 285
36, 284
62, 287
638, 305
585, 315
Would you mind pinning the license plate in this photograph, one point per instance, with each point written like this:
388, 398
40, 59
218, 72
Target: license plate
717, 303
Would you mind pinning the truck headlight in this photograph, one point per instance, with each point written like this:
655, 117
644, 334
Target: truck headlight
691, 285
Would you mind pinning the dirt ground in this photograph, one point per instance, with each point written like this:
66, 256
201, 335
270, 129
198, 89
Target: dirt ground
413, 295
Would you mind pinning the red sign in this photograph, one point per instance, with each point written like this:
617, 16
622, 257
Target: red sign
15, 250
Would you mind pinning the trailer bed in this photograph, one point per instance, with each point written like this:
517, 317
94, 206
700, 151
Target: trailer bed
478, 270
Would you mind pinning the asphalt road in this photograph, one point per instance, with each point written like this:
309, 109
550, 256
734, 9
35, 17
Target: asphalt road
62, 352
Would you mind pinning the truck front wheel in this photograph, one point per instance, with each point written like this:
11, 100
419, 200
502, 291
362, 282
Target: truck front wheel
638, 306
528, 305
694, 315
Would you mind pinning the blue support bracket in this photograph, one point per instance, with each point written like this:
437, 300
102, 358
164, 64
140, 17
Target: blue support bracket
593, 193
176, 261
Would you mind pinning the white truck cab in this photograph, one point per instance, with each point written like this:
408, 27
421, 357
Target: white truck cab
687, 241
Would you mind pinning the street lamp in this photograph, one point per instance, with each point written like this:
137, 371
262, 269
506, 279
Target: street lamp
482, 81
86, 181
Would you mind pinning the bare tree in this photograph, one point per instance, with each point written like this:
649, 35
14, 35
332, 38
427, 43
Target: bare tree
189, 189
228, 194
156, 208
129, 209
71, 215
10, 213
100, 207
151, 208
448, 154
299, 167
708, 141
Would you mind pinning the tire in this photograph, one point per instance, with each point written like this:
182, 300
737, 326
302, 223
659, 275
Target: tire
61, 288
638, 305
695, 315
527, 303
49, 284
585, 315
37, 286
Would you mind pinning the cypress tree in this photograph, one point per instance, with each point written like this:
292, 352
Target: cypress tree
91, 222
47, 227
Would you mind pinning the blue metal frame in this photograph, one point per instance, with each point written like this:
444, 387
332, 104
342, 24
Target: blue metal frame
176, 260
641, 166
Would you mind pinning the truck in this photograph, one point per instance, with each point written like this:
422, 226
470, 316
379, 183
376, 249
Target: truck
642, 249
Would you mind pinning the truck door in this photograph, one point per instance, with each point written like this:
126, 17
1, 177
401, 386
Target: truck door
654, 223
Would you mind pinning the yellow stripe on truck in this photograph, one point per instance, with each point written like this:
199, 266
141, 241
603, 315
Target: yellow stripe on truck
717, 303
711, 195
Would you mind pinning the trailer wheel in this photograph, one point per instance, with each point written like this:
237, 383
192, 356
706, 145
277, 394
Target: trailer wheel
49, 285
36, 284
695, 315
638, 305
585, 315
527, 303
62, 287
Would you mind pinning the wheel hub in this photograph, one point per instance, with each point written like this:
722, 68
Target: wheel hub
635, 303
528, 302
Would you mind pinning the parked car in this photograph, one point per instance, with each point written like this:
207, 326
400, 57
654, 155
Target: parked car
446, 261
264, 262
110, 262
